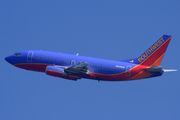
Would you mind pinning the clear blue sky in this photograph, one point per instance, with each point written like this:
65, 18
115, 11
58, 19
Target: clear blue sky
97, 28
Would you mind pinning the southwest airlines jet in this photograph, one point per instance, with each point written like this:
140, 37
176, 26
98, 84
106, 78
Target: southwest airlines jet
75, 67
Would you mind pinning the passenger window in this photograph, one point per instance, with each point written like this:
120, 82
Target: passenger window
37, 57
40, 57
45, 58
95, 65
54, 60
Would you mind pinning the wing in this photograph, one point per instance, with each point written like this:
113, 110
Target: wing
80, 68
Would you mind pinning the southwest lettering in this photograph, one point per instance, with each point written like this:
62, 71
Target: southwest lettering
157, 44
144, 56
151, 50
146, 53
160, 42
154, 47
162, 39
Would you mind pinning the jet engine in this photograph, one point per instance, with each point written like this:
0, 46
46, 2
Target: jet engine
59, 72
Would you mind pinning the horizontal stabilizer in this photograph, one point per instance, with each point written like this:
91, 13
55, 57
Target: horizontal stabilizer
154, 69
169, 70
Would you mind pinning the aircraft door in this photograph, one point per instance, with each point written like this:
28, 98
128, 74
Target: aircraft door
29, 56
73, 62
128, 71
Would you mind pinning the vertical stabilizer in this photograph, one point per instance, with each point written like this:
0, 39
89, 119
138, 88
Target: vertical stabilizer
154, 55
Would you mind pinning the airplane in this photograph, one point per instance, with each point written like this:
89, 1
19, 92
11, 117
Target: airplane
74, 67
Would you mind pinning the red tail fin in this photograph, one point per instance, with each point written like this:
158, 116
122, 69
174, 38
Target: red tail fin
154, 55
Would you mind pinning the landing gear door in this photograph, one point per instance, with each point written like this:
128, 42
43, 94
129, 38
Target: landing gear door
29, 56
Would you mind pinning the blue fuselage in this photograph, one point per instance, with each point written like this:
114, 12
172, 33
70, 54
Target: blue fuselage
99, 69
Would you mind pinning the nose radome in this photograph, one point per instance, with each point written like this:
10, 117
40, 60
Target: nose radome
9, 59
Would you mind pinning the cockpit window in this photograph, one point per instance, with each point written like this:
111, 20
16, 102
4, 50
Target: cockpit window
17, 54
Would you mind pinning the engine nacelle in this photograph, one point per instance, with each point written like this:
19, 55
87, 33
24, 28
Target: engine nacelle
59, 72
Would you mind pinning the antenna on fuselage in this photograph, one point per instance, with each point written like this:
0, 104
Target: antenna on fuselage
77, 54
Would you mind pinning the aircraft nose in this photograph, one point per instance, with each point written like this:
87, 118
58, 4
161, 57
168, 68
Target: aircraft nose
9, 59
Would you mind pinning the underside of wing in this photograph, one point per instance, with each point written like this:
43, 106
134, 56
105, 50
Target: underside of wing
80, 68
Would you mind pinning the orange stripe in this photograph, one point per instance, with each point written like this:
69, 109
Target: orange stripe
146, 74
